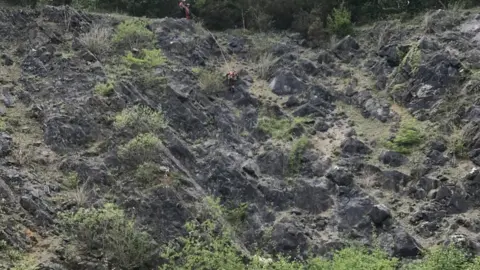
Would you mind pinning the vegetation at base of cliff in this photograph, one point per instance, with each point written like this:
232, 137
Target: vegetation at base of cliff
109, 229
207, 246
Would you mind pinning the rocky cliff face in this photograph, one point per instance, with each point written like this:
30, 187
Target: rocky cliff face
373, 138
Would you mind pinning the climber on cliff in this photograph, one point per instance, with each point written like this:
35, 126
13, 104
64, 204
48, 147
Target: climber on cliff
184, 8
232, 77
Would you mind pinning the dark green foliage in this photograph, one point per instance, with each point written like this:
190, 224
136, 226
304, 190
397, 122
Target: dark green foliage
209, 247
108, 229
296, 152
445, 258
237, 215
406, 138
299, 15
339, 22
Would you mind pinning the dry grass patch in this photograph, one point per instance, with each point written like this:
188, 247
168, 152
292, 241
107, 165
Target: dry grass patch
366, 128
261, 90
262, 43
264, 65
97, 40
10, 74
368, 179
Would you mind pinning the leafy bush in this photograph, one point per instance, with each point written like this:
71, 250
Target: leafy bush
237, 215
104, 89
97, 40
406, 138
339, 22
149, 172
206, 248
456, 143
202, 249
147, 59
279, 128
412, 58
141, 149
211, 81
71, 180
143, 66
109, 230
140, 119
133, 34
362, 259
296, 152
445, 258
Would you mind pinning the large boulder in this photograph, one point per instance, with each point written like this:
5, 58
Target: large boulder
286, 83
351, 146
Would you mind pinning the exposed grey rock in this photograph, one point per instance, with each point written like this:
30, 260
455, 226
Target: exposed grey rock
393, 159
340, 176
379, 214
353, 146
286, 83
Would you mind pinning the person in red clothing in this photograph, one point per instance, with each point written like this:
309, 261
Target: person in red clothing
232, 77
184, 8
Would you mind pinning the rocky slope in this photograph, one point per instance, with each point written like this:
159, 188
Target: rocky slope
372, 139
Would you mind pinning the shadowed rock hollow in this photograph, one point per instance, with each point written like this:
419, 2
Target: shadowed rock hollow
375, 136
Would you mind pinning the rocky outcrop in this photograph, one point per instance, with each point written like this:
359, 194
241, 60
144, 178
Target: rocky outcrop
292, 195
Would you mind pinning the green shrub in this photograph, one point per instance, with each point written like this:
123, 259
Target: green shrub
147, 59
133, 34
104, 89
208, 246
406, 138
203, 249
279, 128
339, 22
237, 215
445, 258
196, 70
140, 119
148, 79
456, 143
141, 149
362, 259
211, 81
149, 172
71, 180
143, 65
296, 152
108, 229
412, 58
474, 265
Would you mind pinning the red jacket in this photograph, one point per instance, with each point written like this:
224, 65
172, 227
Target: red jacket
185, 7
